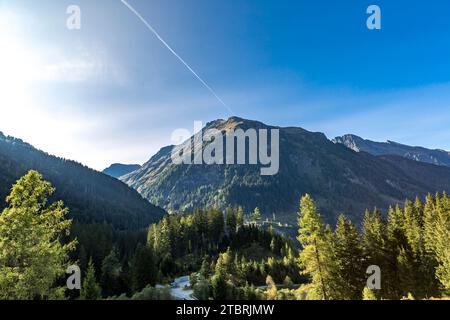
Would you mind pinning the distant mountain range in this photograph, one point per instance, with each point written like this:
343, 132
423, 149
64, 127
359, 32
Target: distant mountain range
358, 144
117, 170
340, 179
91, 196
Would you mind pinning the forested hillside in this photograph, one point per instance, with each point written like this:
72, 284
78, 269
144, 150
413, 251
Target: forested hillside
92, 197
339, 179
106, 212
227, 255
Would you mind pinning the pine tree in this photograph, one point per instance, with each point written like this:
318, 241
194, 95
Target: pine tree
111, 271
413, 228
144, 270
231, 220
435, 236
152, 236
225, 266
219, 287
312, 238
239, 218
379, 251
32, 257
288, 282
272, 290
430, 219
368, 294
416, 265
163, 247
256, 216
202, 289
91, 289
442, 241
348, 270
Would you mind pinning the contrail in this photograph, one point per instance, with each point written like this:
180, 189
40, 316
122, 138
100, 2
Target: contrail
175, 54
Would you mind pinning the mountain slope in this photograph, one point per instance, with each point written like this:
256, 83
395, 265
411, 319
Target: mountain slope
358, 144
338, 178
117, 170
90, 195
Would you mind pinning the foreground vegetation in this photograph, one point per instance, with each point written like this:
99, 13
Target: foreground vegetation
226, 256
411, 248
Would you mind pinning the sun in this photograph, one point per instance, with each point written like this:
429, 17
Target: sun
20, 69
18, 66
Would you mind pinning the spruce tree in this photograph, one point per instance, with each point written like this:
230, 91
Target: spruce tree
32, 256
434, 236
111, 271
90, 289
348, 276
272, 291
239, 217
312, 238
231, 220
442, 241
368, 294
144, 270
256, 216
380, 251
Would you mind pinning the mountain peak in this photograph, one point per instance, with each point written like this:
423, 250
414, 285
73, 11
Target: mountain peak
351, 141
234, 123
436, 157
117, 170
309, 163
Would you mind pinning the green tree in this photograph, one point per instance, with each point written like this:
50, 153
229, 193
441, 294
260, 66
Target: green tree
272, 291
219, 287
256, 216
32, 256
202, 289
231, 220
111, 271
311, 236
368, 294
163, 247
348, 275
91, 289
288, 282
239, 217
442, 241
144, 271
378, 250
225, 266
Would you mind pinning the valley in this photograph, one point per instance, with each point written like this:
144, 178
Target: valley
228, 232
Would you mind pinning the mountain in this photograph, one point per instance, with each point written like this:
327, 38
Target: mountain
91, 196
117, 170
358, 144
340, 179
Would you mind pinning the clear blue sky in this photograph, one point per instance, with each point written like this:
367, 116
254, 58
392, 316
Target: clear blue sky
111, 92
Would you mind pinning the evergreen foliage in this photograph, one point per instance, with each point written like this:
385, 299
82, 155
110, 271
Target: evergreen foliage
32, 254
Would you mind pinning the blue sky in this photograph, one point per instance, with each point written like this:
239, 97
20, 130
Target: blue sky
111, 92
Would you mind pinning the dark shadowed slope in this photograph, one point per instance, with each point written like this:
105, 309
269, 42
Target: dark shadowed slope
91, 196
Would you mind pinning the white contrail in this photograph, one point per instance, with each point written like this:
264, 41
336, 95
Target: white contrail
175, 54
